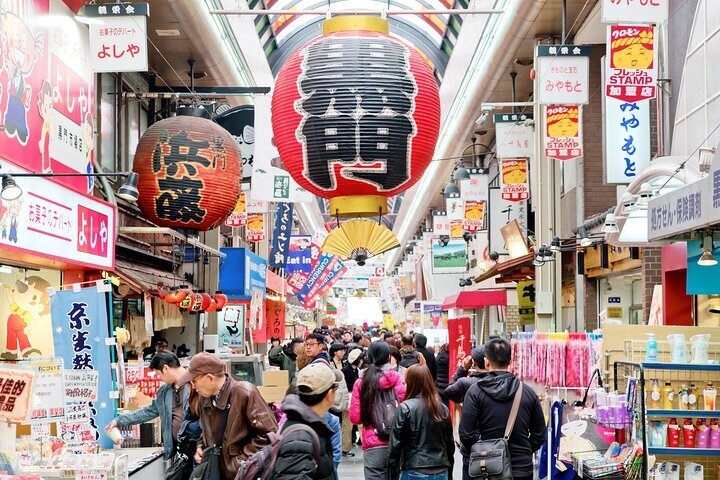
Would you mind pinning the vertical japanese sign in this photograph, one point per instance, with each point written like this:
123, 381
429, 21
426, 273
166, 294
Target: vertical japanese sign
275, 318
563, 74
563, 132
298, 259
16, 387
281, 235
441, 223
476, 187
635, 11
255, 228
515, 136
458, 340
80, 328
118, 43
627, 139
632, 72
395, 304
231, 325
514, 179
526, 301
238, 217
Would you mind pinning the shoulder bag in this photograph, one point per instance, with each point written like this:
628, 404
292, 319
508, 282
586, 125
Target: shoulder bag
210, 466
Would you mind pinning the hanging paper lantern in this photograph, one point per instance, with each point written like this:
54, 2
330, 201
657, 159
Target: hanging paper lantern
213, 305
356, 115
206, 301
176, 295
187, 302
189, 172
221, 299
196, 303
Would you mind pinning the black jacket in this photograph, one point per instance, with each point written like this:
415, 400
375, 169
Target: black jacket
429, 361
443, 370
351, 375
485, 413
417, 441
460, 384
295, 457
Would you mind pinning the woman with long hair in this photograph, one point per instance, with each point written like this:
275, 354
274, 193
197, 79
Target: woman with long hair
421, 443
379, 383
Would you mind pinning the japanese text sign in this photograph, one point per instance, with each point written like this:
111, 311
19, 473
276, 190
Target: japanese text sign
255, 229
474, 215
106, 11
48, 393
684, 209
15, 393
635, 11
231, 325
475, 188
526, 301
274, 184
119, 44
275, 317
514, 179
627, 139
298, 259
395, 304
632, 70
563, 132
281, 235
441, 223
238, 217
80, 328
458, 341
515, 136
77, 414
563, 74
146, 380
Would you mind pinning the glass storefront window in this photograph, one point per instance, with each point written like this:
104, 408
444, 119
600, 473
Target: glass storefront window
108, 147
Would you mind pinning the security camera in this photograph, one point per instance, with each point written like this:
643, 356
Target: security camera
481, 120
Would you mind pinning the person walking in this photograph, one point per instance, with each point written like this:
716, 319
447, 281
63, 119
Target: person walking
420, 343
410, 355
487, 407
442, 359
315, 348
375, 383
337, 355
421, 443
316, 386
232, 411
463, 379
350, 372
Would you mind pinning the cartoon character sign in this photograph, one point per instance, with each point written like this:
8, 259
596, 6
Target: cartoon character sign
632, 72
45, 106
87, 139
21, 48
28, 300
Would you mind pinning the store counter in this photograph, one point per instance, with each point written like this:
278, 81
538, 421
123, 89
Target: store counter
143, 463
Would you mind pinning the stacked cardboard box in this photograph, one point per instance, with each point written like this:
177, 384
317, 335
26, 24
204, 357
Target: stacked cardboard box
275, 384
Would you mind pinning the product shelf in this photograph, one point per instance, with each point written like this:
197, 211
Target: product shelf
690, 452
681, 366
684, 413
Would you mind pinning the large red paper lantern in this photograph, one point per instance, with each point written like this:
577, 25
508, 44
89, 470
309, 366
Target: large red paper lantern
356, 115
189, 172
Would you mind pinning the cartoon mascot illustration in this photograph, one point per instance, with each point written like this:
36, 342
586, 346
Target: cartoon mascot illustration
45, 106
21, 48
28, 301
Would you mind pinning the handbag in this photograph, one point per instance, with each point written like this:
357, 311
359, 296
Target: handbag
210, 468
490, 459
180, 467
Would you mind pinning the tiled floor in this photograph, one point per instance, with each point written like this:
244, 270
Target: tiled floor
351, 468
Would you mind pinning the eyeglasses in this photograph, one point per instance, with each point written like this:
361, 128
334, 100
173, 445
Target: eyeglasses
310, 344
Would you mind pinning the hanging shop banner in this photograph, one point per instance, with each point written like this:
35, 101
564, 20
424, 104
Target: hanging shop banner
502, 212
632, 72
454, 209
231, 326
395, 304
118, 42
563, 74
635, 11
281, 235
48, 402
297, 280
451, 258
298, 259
334, 272
441, 223
514, 135
16, 385
238, 217
458, 341
627, 139
514, 179
256, 206
475, 188
80, 330
241, 272
456, 228
526, 301
240, 122
274, 184
275, 318
474, 215
563, 132
255, 228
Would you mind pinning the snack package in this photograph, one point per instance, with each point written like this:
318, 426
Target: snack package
672, 471
693, 471
658, 471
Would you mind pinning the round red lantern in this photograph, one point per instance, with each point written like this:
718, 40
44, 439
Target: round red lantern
221, 300
206, 300
196, 303
189, 172
213, 305
356, 115
176, 295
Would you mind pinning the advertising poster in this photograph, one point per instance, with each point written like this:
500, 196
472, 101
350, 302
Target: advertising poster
632, 72
238, 217
298, 259
627, 139
474, 215
48, 402
231, 323
15, 405
563, 133
451, 258
514, 179
240, 122
255, 229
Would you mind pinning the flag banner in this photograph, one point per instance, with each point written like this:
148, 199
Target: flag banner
281, 235
298, 259
563, 132
395, 304
632, 73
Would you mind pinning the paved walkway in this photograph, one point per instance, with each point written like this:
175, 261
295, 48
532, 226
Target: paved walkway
351, 468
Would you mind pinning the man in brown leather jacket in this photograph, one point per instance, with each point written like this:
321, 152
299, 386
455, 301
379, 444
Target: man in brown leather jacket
249, 418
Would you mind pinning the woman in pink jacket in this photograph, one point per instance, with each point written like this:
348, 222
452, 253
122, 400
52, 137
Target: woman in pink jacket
377, 377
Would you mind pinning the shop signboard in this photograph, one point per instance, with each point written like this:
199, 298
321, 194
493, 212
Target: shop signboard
632, 70
395, 304
231, 325
474, 216
241, 272
514, 179
563, 132
298, 259
514, 135
563, 74
255, 206
501, 213
635, 11
80, 330
238, 217
118, 41
274, 184
684, 209
16, 384
475, 188
526, 301
275, 318
281, 235
627, 139
441, 223
255, 228
451, 258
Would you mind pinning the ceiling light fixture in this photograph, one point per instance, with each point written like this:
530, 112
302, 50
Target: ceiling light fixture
610, 225
451, 191
707, 259
128, 191
10, 190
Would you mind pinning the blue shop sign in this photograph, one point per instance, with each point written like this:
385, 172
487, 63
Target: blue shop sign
241, 272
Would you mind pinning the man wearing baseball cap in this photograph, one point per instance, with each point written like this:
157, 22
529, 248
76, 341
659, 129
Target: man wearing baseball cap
233, 415
316, 385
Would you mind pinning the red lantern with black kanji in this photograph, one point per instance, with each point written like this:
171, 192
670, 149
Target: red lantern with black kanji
356, 115
189, 172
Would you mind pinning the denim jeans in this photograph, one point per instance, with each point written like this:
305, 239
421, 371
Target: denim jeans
415, 475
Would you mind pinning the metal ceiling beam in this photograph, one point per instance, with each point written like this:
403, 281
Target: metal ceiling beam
330, 12
175, 234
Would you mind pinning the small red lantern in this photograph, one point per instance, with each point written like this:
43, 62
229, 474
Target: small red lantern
221, 299
187, 301
356, 114
176, 295
206, 301
189, 171
212, 307
196, 303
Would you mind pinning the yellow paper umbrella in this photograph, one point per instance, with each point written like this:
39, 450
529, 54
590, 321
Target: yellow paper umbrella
359, 240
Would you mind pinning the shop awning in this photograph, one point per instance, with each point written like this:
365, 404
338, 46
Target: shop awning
476, 299
515, 269
142, 277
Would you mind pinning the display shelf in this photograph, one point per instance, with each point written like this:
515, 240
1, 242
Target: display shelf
684, 413
690, 452
681, 366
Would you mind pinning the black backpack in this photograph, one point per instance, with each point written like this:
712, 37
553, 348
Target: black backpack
409, 359
261, 464
384, 408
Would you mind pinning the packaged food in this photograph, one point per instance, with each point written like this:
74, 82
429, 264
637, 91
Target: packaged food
673, 433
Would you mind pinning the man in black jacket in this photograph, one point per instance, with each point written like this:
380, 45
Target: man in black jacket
463, 380
420, 344
487, 407
316, 385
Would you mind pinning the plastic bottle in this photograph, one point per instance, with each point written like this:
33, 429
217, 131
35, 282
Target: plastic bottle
714, 434
678, 348
683, 397
709, 395
699, 348
655, 396
693, 397
689, 433
673, 439
651, 350
668, 395
703, 434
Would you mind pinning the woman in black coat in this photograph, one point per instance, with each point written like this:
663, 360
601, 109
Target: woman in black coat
443, 371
